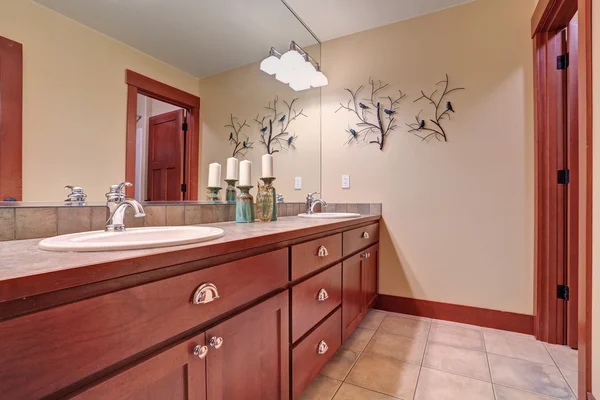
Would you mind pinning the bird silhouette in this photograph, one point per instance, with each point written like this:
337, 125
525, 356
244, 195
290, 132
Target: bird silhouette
353, 132
422, 124
282, 118
449, 106
363, 106
389, 112
245, 144
290, 140
231, 136
264, 128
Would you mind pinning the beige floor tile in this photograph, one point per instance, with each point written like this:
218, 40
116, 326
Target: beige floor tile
455, 335
359, 339
385, 375
507, 333
505, 393
457, 360
565, 357
409, 327
402, 348
393, 314
340, 364
373, 319
351, 392
322, 388
529, 376
516, 347
572, 379
441, 321
438, 385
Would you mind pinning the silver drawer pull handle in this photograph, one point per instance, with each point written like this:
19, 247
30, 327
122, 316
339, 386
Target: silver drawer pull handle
365, 235
364, 255
206, 293
322, 252
216, 342
322, 349
323, 295
200, 351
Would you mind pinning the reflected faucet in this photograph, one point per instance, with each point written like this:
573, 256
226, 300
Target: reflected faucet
117, 204
311, 203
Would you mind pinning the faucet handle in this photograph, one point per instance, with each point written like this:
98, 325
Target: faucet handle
122, 186
116, 192
310, 195
76, 194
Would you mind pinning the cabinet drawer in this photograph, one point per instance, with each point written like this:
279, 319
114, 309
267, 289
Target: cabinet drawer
310, 256
306, 358
49, 350
360, 238
314, 299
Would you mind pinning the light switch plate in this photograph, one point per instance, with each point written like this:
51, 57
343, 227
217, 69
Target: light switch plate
345, 181
298, 183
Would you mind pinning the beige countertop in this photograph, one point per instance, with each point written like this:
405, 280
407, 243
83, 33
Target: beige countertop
25, 270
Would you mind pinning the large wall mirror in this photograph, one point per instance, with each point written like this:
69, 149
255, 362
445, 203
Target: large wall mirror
84, 125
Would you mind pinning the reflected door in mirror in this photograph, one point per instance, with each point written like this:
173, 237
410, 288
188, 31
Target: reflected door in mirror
165, 156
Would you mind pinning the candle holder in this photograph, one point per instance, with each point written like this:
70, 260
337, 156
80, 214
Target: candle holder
230, 192
212, 194
244, 205
269, 185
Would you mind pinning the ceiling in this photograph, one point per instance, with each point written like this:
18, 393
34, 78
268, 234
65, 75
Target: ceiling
205, 37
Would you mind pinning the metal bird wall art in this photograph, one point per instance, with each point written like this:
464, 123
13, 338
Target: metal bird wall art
422, 129
274, 126
241, 142
372, 127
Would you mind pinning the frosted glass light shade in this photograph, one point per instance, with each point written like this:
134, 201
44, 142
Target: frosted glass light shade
292, 59
319, 79
284, 73
270, 65
298, 84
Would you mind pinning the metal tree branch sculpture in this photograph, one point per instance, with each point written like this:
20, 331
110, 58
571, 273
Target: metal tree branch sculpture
373, 132
421, 128
243, 144
274, 125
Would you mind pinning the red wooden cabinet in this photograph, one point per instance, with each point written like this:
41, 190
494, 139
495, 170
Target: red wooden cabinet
176, 373
370, 270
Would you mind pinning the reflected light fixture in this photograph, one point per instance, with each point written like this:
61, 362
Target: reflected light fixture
295, 67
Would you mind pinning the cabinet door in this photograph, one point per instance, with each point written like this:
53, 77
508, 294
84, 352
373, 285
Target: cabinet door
249, 354
174, 374
353, 297
370, 268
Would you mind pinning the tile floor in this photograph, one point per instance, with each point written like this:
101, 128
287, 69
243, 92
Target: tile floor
396, 356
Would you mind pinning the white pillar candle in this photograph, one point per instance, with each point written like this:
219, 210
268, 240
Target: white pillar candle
232, 168
214, 175
267, 166
245, 173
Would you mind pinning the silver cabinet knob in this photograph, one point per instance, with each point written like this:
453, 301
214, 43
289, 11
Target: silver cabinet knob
216, 342
365, 235
364, 255
322, 349
206, 293
200, 351
323, 295
322, 252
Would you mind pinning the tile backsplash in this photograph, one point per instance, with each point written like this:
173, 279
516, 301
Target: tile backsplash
39, 222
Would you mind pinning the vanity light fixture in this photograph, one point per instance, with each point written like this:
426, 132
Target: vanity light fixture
295, 67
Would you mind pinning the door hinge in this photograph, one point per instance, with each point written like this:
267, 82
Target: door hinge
562, 292
562, 61
183, 187
184, 127
564, 177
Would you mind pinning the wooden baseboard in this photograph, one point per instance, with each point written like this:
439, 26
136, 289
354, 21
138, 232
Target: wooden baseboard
590, 397
507, 321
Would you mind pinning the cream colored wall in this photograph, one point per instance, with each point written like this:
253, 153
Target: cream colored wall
458, 216
596, 204
74, 100
245, 91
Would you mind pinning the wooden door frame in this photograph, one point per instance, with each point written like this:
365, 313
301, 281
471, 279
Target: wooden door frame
549, 17
140, 84
11, 119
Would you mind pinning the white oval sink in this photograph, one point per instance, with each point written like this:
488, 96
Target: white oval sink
131, 239
330, 215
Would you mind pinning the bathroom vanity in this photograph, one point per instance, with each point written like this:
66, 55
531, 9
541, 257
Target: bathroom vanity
252, 315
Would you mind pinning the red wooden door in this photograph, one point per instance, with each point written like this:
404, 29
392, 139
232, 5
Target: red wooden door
165, 156
174, 374
249, 355
353, 294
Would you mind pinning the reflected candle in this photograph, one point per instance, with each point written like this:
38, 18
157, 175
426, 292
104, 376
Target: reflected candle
245, 173
232, 168
267, 166
214, 175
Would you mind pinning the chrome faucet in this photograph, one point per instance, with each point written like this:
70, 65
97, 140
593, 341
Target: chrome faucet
311, 203
76, 196
117, 204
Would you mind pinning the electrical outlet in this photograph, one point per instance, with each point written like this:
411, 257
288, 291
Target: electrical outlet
298, 183
345, 181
